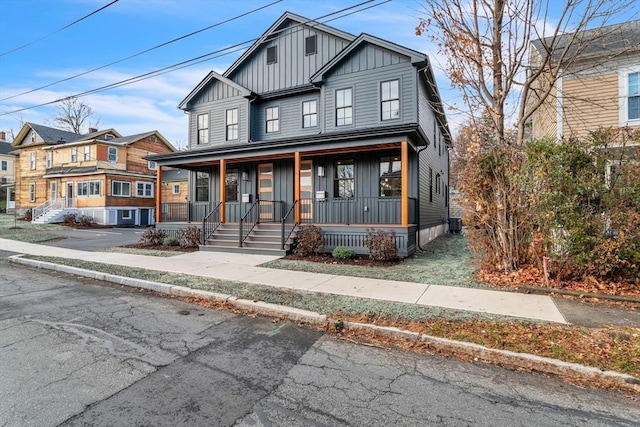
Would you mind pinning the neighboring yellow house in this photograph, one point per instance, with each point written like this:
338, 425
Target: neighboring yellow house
101, 174
7, 175
175, 188
599, 86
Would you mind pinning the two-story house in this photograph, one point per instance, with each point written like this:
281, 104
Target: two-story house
101, 174
313, 125
7, 175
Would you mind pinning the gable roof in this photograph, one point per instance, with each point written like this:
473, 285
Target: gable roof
416, 57
205, 82
48, 134
275, 29
101, 133
126, 140
6, 148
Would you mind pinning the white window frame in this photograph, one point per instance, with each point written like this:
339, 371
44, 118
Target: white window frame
115, 156
389, 100
86, 155
623, 90
49, 158
310, 111
32, 160
88, 188
4, 165
152, 165
32, 192
120, 184
74, 154
231, 124
202, 128
145, 186
342, 106
128, 214
272, 121
175, 189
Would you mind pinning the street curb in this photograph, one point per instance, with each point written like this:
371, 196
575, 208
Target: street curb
476, 351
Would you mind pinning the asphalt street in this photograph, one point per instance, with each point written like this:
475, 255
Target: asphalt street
92, 239
78, 352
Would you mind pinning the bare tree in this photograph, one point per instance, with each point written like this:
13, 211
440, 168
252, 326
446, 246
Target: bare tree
72, 115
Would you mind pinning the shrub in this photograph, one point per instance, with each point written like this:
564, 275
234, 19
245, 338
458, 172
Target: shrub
309, 241
85, 220
170, 241
381, 245
342, 252
28, 215
69, 219
153, 236
189, 237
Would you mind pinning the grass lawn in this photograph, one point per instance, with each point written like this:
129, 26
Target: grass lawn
25, 231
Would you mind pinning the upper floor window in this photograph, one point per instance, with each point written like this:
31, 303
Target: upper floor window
390, 100
203, 129
633, 96
112, 154
176, 189
74, 154
231, 185
310, 45
144, 189
273, 119
32, 160
344, 179
272, 55
232, 124
309, 114
390, 176
86, 153
4, 165
49, 159
344, 107
120, 188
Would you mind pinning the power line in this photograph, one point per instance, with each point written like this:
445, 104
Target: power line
143, 51
58, 30
197, 60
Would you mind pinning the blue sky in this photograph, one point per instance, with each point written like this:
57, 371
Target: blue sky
130, 26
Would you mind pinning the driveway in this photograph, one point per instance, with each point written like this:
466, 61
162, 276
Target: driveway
95, 238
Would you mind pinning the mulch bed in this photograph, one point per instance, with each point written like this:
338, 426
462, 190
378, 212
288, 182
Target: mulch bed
160, 247
362, 260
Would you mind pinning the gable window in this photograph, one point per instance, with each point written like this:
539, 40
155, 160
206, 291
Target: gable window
310, 45
232, 124
4, 165
89, 188
49, 159
112, 154
86, 156
272, 55
74, 154
121, 188
32, 192
231, 185
203, 129
390, 100
144, 189
390, 176
202, 187
309, 114
32, 160
344, 107
633, 96
273, 119
176, 189
343, 180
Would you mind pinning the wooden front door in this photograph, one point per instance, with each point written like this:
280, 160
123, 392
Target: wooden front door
265, 191
306, 190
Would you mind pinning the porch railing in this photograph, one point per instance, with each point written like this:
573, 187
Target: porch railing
210, 223
287, 216
356, 210
248, 222
61, 203
185, 211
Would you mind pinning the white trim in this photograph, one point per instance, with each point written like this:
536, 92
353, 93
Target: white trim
623, 91
109, 155
559, 110
173, 190
113, 182
146, 184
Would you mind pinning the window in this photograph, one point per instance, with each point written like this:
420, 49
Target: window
32, 192
152, 165
53, 190
176, 189
309, 114
144, 189
32, 160
438, 183
112, 154
390, 100
49, 159
344, 107
310, 44
272, 55
430, 185
121, 188
232, 124
273, 119
203, 129
202, 187
343, 181
4, 165
231, 185
390, 176
126, 214
86, 155
633, 96
89, 188
74, 154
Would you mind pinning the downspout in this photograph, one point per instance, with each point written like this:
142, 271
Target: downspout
418, 216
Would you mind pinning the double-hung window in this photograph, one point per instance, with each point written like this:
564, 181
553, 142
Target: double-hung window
310, 114
390, 176
344, 107
203, 129
232, 124
344, 179
86, 155
121, 188
633, 96
144, 189
49, 159
5, 165
112, 154
202, 186
32, 160
74, 154
390, 100
273, 119
32, 192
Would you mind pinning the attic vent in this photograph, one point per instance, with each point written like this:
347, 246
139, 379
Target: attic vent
108, 136
310, 45
272, 55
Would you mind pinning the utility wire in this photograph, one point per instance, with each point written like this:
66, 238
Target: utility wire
199, 59
143, 51
58, 30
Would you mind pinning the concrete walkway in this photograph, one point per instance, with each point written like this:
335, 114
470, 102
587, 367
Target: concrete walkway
245, 268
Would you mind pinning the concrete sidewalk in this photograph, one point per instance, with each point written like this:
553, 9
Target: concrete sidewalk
246, 268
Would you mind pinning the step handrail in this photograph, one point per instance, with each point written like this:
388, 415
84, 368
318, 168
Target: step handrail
60, 203
210, 223
243, 236
283, 221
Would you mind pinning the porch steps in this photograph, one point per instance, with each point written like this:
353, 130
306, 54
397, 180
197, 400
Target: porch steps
54, 215
264, 239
